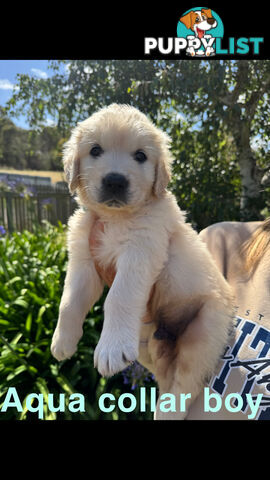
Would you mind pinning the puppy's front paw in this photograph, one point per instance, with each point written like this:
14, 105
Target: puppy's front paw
114, 354
63, 345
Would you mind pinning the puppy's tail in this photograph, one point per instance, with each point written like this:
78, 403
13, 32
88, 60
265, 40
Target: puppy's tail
255, 247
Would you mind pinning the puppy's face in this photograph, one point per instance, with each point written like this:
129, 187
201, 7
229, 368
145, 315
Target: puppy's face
117, 159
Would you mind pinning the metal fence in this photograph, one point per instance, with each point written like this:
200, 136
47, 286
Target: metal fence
19, 211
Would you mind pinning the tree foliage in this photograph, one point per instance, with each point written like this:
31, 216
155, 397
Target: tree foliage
217, 113
29, 149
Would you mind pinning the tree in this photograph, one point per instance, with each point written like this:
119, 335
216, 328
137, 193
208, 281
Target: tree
215, 111
29, 149
232, 97
13, 142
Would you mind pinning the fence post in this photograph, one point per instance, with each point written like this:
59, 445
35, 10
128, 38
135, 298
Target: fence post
39, 209
9, 212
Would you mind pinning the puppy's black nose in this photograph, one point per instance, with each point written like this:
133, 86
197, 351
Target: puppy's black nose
115, 183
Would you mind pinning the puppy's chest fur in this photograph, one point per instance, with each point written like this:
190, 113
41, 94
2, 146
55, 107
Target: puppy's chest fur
143, 232
112, 242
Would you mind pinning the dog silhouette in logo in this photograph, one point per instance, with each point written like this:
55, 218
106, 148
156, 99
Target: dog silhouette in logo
200, 22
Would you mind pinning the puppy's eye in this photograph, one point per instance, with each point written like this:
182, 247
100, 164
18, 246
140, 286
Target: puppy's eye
96, 151
140, 156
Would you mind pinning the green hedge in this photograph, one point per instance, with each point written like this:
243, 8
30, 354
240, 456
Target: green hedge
32, 272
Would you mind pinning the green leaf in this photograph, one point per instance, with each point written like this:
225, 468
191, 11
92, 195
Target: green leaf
16, 339
21, 302
28, 323
4, 322
17, 371
13, 280
65, 384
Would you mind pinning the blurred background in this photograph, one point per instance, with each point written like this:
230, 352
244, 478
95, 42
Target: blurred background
218, 116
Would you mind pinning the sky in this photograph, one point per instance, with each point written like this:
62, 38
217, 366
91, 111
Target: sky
8, 72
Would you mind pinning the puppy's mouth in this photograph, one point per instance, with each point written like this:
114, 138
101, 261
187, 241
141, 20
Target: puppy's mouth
113, 202
200, 32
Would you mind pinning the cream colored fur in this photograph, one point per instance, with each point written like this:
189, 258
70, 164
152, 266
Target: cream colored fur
251, 289
150, 244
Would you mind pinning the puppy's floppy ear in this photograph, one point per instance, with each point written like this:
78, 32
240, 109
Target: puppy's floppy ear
71, 161
163, 168
207, 12
187, 19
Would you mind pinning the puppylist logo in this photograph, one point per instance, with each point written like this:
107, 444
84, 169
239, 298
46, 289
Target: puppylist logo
200, 33
200, 27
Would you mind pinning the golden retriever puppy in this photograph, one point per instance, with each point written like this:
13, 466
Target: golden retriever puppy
119, 164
